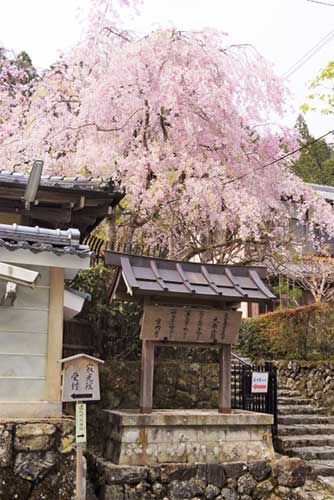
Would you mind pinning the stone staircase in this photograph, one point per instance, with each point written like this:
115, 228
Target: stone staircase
305, 431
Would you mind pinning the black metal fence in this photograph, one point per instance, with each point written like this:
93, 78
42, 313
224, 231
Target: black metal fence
242, 396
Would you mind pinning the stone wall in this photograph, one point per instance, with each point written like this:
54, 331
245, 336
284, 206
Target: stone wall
177, 384
285, 478
37, 459
314, 379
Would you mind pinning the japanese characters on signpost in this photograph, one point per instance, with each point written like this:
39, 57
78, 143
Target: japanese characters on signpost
80, 383
259, 382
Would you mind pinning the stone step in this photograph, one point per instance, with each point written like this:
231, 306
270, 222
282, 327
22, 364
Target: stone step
312, 452
298, 419
284, 400
299, 430
286, 443
300, 409
288, 393
322, 467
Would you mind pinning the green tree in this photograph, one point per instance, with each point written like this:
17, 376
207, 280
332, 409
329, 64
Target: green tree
316, 162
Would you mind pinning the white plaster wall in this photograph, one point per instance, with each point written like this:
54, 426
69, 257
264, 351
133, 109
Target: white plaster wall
23, 342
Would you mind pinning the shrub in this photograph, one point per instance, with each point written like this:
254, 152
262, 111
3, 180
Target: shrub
116, 325
301, 333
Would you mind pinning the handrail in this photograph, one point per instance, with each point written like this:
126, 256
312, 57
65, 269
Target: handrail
242, 361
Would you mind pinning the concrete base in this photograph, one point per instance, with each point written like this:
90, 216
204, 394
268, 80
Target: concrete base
30, 409
188, 436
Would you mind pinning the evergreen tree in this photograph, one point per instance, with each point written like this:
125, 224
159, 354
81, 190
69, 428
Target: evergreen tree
316, 162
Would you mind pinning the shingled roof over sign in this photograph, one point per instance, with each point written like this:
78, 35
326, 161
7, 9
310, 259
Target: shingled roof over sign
145, 276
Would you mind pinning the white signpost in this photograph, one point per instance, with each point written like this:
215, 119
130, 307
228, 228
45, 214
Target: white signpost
80, 383
259, 382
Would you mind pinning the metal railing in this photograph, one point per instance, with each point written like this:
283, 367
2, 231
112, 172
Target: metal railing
242, 396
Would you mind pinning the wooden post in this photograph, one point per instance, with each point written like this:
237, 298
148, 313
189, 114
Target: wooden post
80, 438
147, 374
225, 379
79, 473
55, 334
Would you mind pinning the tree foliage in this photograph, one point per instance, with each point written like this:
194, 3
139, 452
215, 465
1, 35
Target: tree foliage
181, 121
302, 333
316, 162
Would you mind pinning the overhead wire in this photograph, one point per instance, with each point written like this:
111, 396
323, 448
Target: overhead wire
277, 160
321, 3
309, 54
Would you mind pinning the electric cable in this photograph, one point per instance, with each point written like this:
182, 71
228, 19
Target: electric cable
306, 57
290, 153
321, 3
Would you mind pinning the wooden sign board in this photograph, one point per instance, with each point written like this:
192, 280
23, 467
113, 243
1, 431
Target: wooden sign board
80, 379
181, 324
80, 423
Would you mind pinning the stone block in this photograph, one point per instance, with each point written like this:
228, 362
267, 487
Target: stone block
34, 465
228, 494
216, 475
66, 426
117, 474
211, 491
66, 444
290, 472
263, 489
234, 470
6, 445
187, 436
186, 489
182, 472
34, 437
246, 484
260, 470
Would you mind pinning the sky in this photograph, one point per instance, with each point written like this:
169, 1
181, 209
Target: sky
282, 30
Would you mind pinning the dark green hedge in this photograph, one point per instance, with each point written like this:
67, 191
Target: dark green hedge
302, 333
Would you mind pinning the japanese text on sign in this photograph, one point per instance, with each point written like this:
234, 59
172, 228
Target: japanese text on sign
259, 382
81, 381
194, 325
80, 423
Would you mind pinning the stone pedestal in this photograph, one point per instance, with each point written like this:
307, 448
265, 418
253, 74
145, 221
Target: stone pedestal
187, 436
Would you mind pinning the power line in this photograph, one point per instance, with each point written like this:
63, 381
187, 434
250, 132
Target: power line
279, 159
321, 3
309, 54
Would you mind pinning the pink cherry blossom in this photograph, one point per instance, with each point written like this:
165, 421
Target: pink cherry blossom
183, 121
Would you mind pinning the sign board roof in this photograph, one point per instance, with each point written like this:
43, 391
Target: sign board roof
80, 356
146, 276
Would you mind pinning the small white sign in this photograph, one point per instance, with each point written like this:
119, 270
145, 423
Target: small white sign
80, 379
80, 423
259, 382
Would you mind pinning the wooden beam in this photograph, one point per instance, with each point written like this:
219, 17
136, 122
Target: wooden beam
225, 379
55, 334
147, 376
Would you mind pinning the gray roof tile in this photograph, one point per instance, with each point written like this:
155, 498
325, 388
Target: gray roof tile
14, 237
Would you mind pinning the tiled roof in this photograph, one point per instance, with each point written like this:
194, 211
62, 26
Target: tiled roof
81, 183
14, 237
161, 277
326, 192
